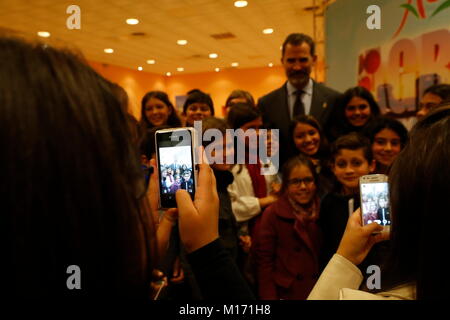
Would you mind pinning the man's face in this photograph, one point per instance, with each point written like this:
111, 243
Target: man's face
187, 176
298, 62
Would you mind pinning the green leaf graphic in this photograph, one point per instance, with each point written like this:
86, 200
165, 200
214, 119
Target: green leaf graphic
443, 6
411, 9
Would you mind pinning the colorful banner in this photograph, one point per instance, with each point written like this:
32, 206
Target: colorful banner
408, 53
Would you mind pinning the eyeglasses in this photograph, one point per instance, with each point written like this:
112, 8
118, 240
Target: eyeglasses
297, 182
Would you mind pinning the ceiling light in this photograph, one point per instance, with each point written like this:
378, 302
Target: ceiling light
271, 65
109, 50
180, 69
151, 61
217, 69
268, 31
132, 21
43, 34
182, 42
140, 68
213, 55
235, 64
240, 4
168, 74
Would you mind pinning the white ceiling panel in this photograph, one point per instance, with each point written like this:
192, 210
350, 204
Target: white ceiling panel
162, 23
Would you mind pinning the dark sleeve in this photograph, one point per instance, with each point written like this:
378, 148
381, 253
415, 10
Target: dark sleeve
217, 275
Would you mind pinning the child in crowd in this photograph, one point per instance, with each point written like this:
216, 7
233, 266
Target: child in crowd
218, 150
251, 192
157, 110
308, 138
387, 137
351, 158
198, 105
289, 238
355, 110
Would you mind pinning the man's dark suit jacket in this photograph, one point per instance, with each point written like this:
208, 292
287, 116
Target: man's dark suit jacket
275, 109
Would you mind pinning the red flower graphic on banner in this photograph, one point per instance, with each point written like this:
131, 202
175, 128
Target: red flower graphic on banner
419, 11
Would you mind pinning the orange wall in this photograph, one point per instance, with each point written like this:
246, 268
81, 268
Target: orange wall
258, 81
135, 82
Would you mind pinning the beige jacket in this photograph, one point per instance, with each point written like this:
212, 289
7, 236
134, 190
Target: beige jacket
341, 279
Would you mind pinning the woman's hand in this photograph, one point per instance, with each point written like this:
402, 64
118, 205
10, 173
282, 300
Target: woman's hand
358, 240
246, 243
164, 223
198, 221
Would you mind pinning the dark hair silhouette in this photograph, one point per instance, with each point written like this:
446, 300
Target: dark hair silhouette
197, 96
173, 121
240, 94
441, 90
337, 124
296, 39
291, 164
351, 141
242, 113
382, 123
69, 193
323, 151
419, 193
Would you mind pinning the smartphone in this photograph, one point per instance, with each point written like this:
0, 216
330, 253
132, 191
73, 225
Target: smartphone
375, 207
175, 154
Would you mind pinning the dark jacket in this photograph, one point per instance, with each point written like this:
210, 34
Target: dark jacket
287, 254
217, 275
228, 230
334, 213
275, 109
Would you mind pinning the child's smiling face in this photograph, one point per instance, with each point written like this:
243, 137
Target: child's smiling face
349, 166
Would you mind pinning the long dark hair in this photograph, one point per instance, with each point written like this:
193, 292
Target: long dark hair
382, 123
173, 120
419, 193
338, 124
323, 151
69, 180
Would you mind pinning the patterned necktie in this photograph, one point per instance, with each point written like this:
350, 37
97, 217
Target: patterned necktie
299, 108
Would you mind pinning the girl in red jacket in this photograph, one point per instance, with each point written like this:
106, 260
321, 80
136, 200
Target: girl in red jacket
289, 238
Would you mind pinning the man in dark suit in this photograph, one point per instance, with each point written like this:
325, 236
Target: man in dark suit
299, 95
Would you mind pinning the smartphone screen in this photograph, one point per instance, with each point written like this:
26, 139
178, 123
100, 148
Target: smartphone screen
175, 164
375, 203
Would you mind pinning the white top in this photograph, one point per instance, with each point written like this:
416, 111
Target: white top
243, 201
341, 279
306, 97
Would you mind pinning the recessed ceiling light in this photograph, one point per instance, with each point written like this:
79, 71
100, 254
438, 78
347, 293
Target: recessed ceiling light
109, 50
271, 65
168, 74
151, 61
235, 64
43, 34
132, 21
180, 69
140, 68
213, 55
240, 4
268, 31
182, 42
217, 69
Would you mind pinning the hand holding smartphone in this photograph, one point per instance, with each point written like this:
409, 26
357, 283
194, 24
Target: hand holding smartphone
176, 166
374, 191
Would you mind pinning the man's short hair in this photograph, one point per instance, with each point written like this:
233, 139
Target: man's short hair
297, 39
